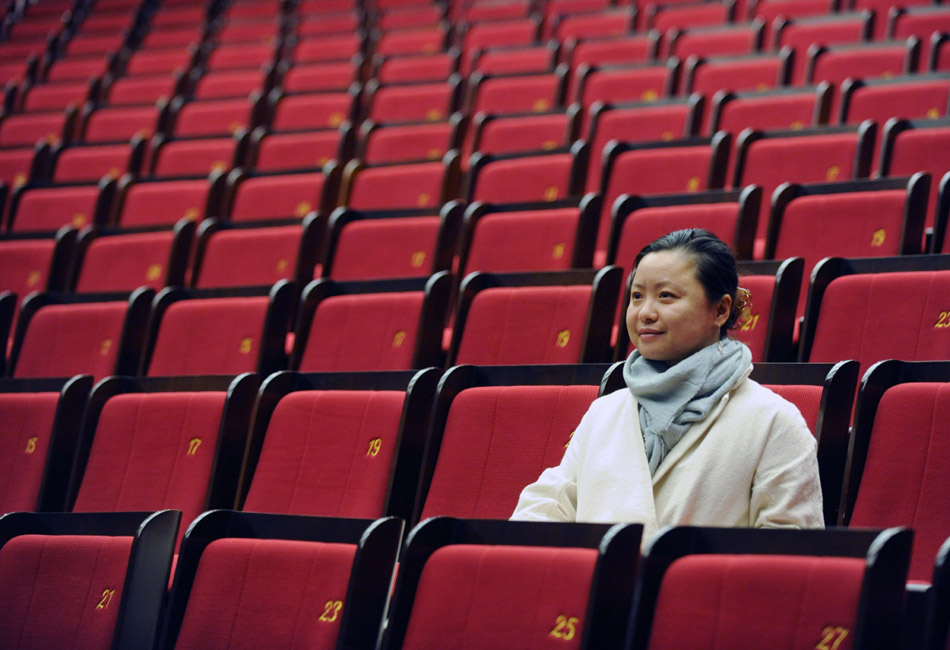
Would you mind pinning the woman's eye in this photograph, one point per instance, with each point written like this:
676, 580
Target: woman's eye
636, 295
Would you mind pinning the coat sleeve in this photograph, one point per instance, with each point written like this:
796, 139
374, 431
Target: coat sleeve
786, 489
553, 497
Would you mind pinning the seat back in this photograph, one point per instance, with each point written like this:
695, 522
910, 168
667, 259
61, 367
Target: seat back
85, 581
401, 186
550, 317
264, 196
338, 444
97, 334
147, 444
276, 579
379, 325
900, 407
528, 177
455, 572
805, 588
845, 302
225, 331
41, 420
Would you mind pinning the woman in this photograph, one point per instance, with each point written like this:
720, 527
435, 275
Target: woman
693, 440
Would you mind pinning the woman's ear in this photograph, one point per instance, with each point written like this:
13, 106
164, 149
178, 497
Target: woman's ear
723, 309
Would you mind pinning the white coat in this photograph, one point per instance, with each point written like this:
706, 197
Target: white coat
751, 462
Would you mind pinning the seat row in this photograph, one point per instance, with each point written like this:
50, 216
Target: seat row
348, 445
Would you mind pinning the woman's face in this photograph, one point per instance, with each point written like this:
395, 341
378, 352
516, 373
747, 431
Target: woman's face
669, 316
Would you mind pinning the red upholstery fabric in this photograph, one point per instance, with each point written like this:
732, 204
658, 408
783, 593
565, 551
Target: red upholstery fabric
836, 65
279, 197
504, 33
922, 150
635, 124
715, 42
209, 336
498, 440
858, 224
213, 117
68, 590
406, 143
163, 203
312, 111
521, 60
922, 22
921, 99
881, 9
411, 103
653, 171
25, 129
195, 157
89, 164
769, 11
24, 265
370, 249
523, 134
125, 262
27, 424
808, 159
152, 451
502, 596
327, 48
328, 453
806, 398
906, 476
404, 69
602, 24
138, 90
525, 325
760, 600
50, 208
319, 77
65, 340
363, 332
518, 180
765, 112
119, 124
267, 593
755, 329
689, 15
857, 321
617, 85
800, 34
517, 94
540, 240
240, 55
54, 96
419, 40
15, 165
285, 151
255, 256
741, 73
398, 186
77, 68
150, 61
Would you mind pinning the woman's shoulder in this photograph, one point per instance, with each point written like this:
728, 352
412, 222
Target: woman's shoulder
764, 402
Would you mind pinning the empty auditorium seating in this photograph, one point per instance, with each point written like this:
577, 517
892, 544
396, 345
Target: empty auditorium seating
771, 586
900, 406
230, 254
823, 155
509, 134
218, 331
338, 444
530, 413
719, 40
529, 236
400, 186
372, 325
575, 578
544, 317
178, 157
45, 207
162, 202
537, 176
799, 34
89, 163
41, 429
298, 149
372, 245
149, 443
850, 300
264, 195
277, 579
909, 97
516, 93
777, 109
30, 264
673, 167
61, 335
122, 260
85, 580
419, 102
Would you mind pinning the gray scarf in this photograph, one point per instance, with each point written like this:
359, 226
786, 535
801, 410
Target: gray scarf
673, 397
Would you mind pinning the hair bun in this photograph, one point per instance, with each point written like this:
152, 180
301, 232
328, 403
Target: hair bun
743, 306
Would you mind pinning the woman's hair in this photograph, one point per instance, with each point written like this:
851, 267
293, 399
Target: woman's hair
715, 267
